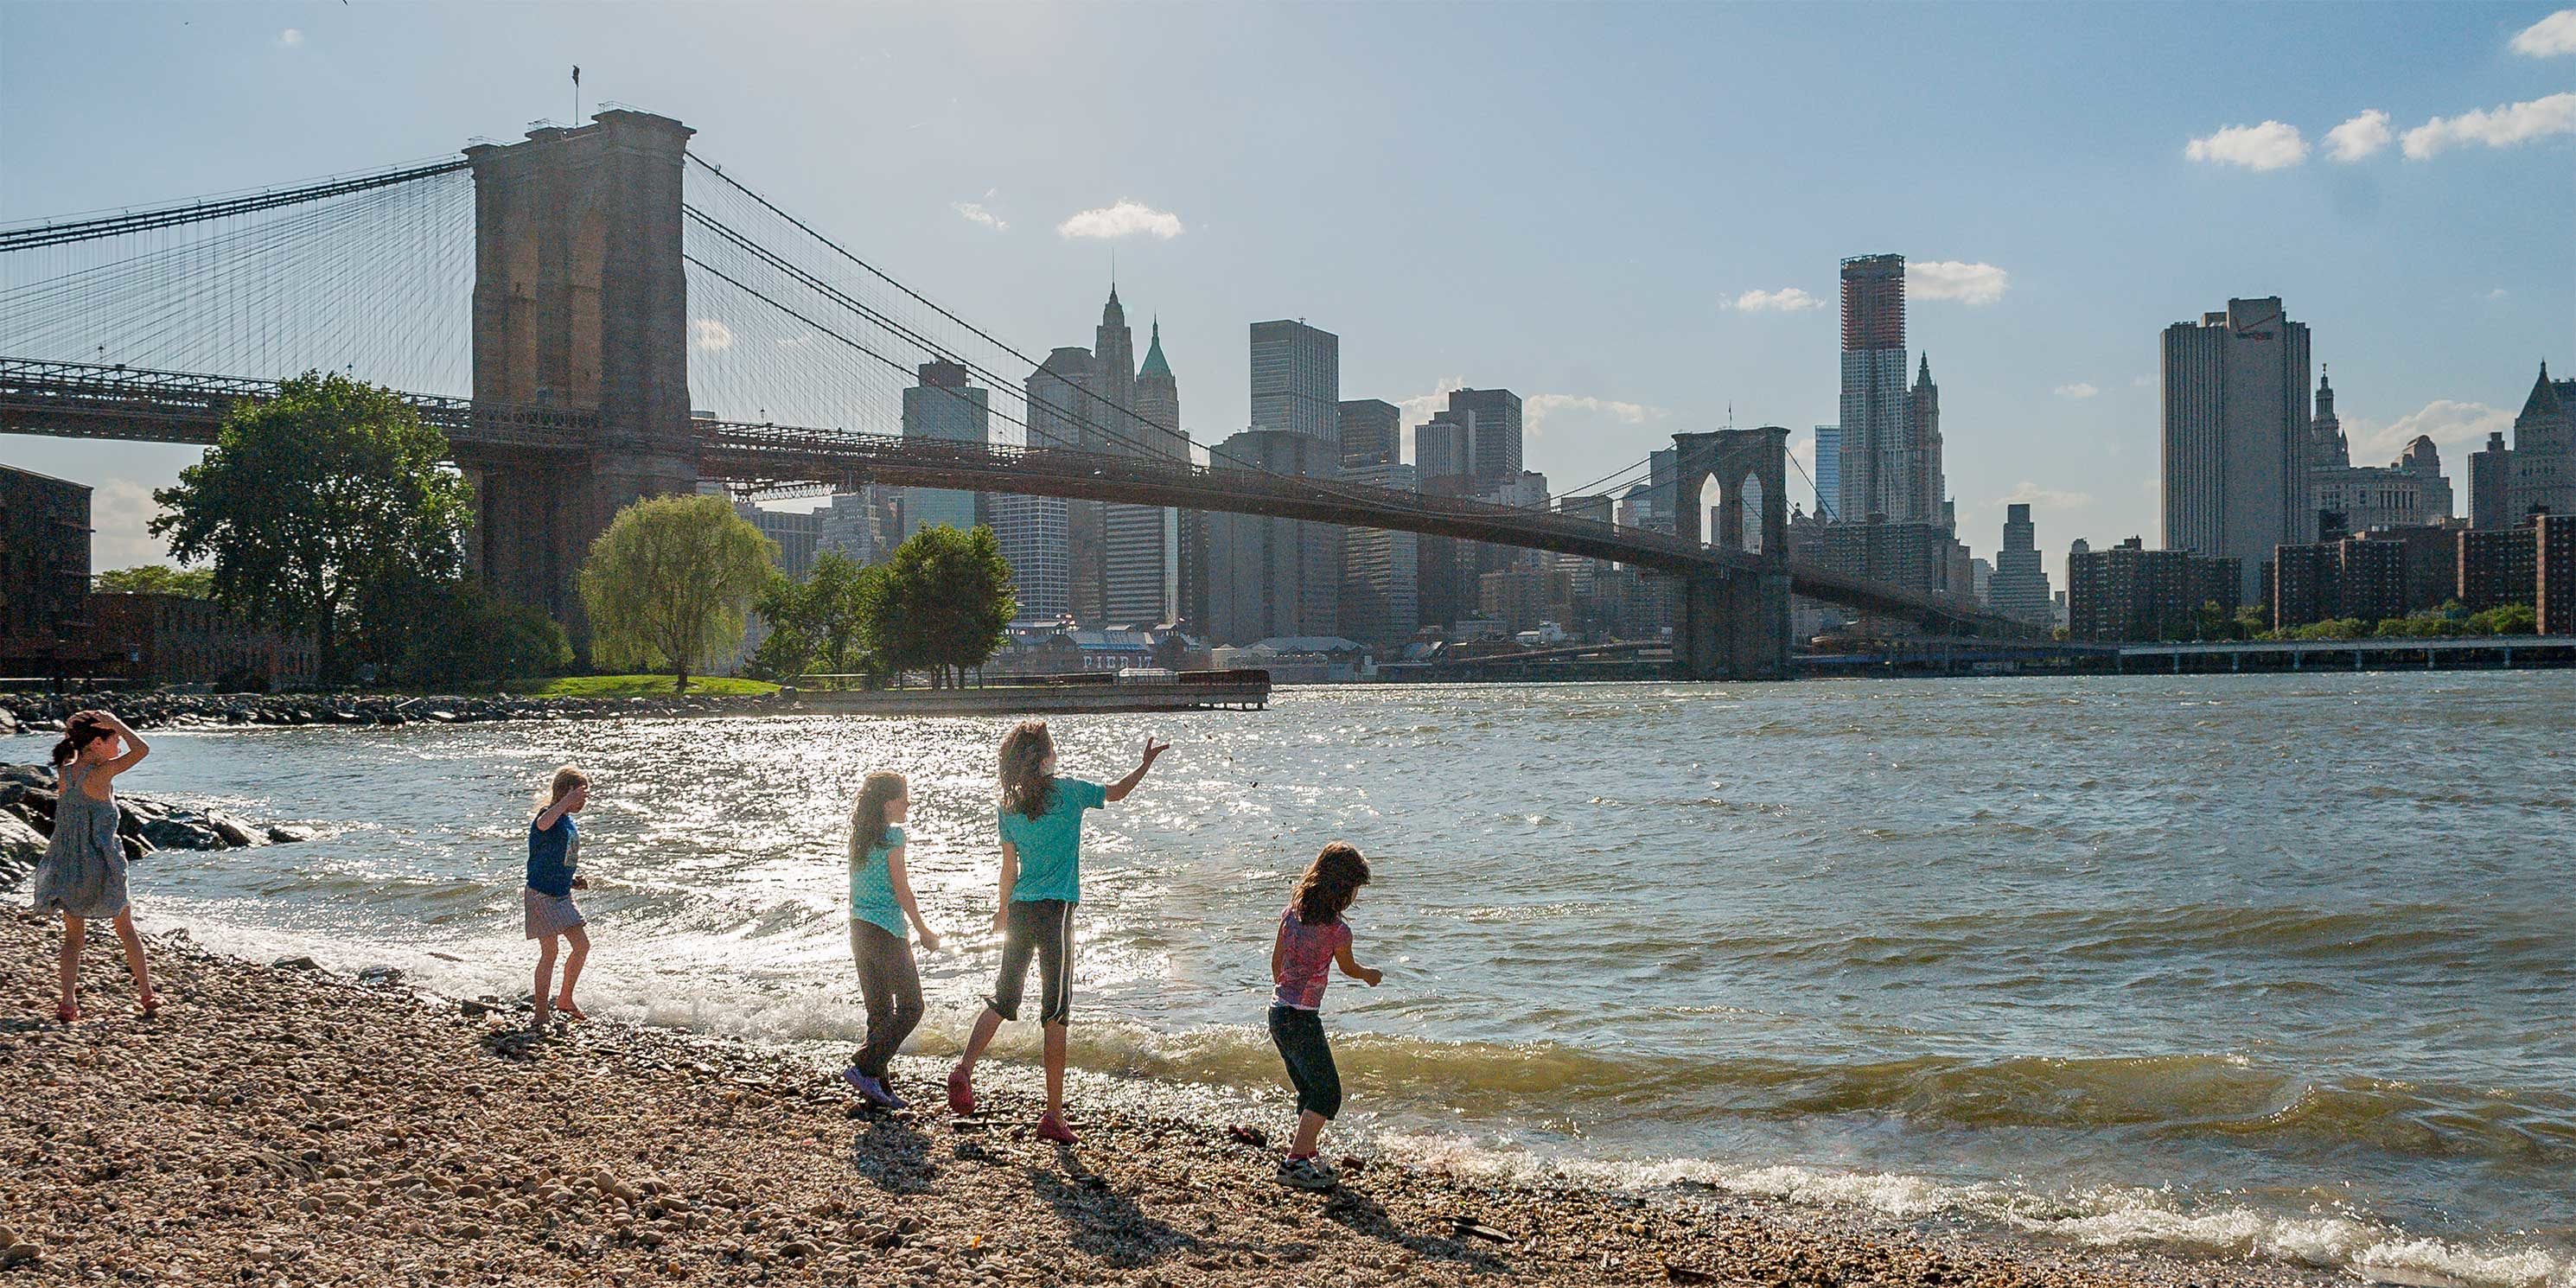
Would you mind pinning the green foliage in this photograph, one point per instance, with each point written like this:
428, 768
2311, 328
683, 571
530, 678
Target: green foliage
667, 585
2505, 619
633, 686
943, 604
423, 634
2340, 628
818, 623
2253, 621
311, 498
159, 579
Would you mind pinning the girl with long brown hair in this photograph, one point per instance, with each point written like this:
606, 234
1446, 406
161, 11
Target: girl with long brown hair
1041, 825
1312, 939
83, 872
881, 904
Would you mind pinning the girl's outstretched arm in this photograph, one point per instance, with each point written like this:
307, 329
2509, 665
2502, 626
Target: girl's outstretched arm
1117, 791
1350, 965
902, 883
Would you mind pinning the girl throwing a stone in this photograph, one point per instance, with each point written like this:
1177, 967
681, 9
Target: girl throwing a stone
1041, 825
882, 913
554, 863
83, 872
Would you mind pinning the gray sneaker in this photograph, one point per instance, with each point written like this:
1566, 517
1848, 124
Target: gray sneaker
1307, 1174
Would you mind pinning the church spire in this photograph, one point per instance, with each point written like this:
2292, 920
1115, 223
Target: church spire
1154, 363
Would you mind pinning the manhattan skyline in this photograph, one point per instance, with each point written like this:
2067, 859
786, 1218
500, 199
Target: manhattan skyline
1628, 230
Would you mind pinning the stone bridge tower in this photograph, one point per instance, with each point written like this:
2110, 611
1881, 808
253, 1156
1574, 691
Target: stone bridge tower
1734, 625
581, 301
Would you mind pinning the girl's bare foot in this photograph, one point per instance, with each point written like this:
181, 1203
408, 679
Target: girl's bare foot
151, 1003
65, 1011
543, 1019
565, 1008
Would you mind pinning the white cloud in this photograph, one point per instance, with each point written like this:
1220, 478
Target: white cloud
119, 511
2078, 389
1949, 279
1419, 407
974, 212
2359, 137
2549, 37
2462, 425
1538, 407
1121, 220
2506, 126
709, 336
2268, 146
2029, 493
290, 38
1788, 299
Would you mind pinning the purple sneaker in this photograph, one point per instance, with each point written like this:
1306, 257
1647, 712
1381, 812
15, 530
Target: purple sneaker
871, 1088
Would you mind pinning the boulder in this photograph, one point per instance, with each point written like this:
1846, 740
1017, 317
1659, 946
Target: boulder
284, 833
233, 830
20, 847
182, 830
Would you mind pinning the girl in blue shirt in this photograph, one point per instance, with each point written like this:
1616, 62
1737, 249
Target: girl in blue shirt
1041, 825
554, 861
881, 903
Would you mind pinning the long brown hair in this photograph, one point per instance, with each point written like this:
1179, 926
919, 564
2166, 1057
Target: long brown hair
82, 729
1026, 786
1330, 883
560, 786
868, 816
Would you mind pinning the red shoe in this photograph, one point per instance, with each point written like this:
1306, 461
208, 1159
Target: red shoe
961, 1091
1052, 1128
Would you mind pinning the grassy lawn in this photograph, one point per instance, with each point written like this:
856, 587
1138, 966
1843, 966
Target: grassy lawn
633, 686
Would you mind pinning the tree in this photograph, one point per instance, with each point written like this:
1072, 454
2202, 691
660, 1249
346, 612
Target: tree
2504, 619
2253, 621
668, 583
944, 602
428, 634
159, 579
308, 499
819, 620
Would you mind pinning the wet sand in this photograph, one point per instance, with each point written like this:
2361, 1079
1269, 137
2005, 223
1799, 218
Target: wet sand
279, 1125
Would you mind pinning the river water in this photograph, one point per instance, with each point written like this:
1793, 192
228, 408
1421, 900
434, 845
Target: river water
2267, 966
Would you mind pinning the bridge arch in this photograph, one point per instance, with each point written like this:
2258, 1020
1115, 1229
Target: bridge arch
1734, 625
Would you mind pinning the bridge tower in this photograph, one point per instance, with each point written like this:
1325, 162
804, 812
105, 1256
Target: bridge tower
1735, 625
581, 301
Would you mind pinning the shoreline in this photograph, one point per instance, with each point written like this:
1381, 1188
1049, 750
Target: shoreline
289, 1125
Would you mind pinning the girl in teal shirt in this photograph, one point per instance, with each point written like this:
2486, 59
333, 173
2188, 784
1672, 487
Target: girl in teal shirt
881, 903
1041, 825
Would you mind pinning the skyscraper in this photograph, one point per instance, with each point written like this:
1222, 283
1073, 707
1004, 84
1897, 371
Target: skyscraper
1441, 452
1274, 577
1381, 573
1372, 432
2236, 436
1829, 472
1067, 410
1145, 543
1875, 423
1926, 492
2019, 588
1445, 583
1493, 420
1297, 380
947, 406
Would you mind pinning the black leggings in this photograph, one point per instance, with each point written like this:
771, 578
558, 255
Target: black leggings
892, 989
1300, 1035
1043, 927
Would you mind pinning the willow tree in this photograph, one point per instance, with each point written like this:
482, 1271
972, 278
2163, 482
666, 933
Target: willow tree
310, 500
667, 585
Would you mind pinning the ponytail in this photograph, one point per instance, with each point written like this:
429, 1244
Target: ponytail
80, 730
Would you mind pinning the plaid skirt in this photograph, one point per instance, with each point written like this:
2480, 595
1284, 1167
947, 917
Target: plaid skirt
549, 915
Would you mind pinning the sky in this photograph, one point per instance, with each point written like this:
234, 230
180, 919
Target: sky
1629, 214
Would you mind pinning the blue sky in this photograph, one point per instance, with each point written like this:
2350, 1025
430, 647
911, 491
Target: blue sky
1572, 201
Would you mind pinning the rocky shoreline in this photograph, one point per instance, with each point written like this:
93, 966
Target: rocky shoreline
156, 709
280, 1125
142, 823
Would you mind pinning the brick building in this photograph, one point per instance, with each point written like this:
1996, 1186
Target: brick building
180, 639
2127, 592
44, 571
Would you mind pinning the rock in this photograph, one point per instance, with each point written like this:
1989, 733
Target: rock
286, 833
21, 1254
380, 976
295, 963
20, 847
233, 830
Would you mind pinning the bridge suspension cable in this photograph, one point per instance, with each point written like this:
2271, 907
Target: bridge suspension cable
124, 222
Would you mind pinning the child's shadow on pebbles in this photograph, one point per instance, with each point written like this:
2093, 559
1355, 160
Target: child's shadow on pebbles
1106, 1223
892, 1155
1365, 1216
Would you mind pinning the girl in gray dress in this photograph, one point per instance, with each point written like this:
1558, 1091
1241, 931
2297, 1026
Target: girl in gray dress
83, 871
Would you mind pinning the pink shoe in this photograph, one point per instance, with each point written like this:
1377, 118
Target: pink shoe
961, 1091
1052, 1128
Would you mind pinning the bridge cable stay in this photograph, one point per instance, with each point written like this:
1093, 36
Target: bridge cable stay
125, 222
371, 276
1079, 403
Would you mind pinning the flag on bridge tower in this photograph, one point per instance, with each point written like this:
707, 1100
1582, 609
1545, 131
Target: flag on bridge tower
576, 73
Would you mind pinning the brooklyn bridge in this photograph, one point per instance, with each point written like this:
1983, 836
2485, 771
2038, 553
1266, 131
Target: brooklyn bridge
556, 289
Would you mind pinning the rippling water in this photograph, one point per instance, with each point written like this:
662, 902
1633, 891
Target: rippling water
2264, 965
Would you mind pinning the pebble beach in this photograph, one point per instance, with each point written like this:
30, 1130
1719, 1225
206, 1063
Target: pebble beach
276, 1124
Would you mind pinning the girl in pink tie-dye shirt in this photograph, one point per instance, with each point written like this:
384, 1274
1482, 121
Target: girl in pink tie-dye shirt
1312, 939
